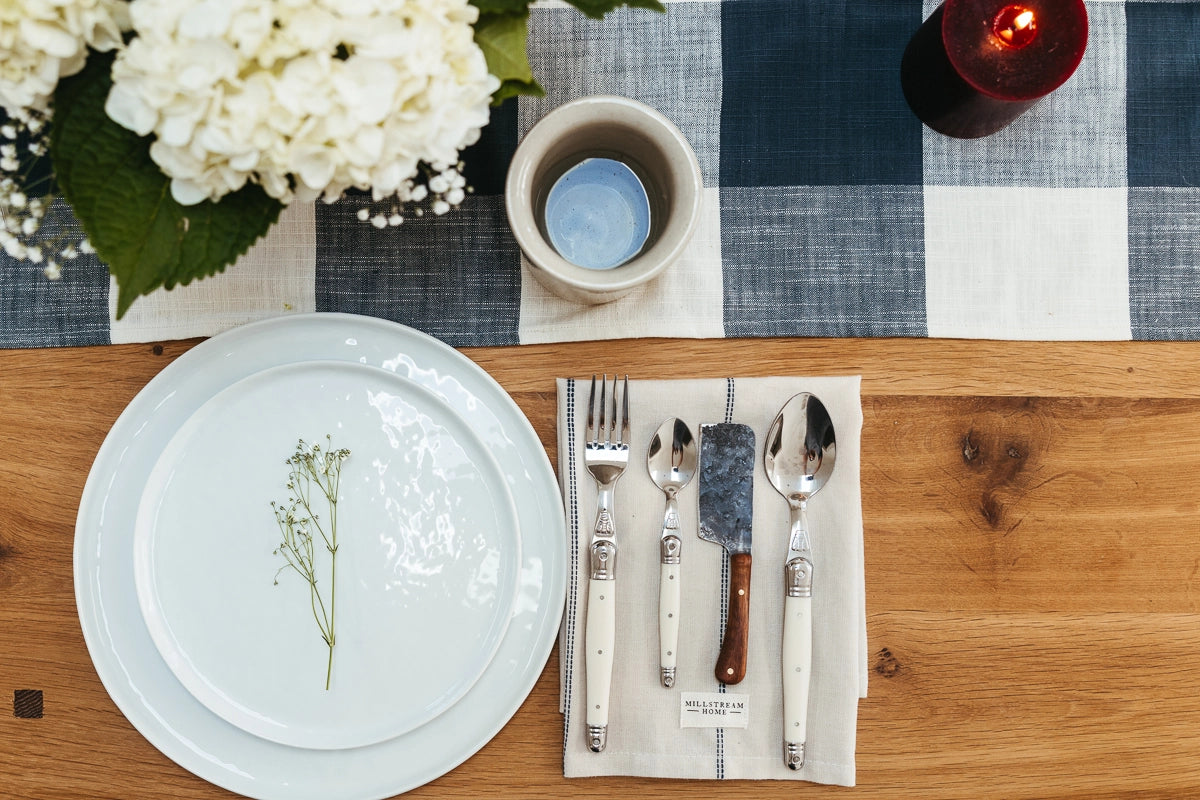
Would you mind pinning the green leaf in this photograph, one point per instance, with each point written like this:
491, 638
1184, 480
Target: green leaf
502, 38
596, 9
512, 88
501, 6
124, 201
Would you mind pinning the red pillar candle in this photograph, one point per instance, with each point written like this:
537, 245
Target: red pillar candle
976, 65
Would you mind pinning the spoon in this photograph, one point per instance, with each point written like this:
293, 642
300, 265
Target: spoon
798, 457
671, 461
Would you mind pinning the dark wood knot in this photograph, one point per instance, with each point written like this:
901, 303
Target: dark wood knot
970, 450
992, 509
887, 664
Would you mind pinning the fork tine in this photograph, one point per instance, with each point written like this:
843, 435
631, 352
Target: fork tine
611, 436
615, 430
602, 432
591, 417
624, 411
616, 418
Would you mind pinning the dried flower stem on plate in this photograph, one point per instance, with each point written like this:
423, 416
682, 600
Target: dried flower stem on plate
316, 473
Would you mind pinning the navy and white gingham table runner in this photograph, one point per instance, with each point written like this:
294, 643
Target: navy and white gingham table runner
830, 210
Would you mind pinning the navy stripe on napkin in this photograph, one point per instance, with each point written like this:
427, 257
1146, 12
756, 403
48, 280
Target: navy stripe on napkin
730, 398
570, 626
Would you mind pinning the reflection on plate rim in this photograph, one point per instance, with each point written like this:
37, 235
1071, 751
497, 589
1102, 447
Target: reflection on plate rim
210, 696
186, 734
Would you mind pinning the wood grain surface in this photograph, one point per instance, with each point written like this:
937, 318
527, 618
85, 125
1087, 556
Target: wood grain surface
1032, 516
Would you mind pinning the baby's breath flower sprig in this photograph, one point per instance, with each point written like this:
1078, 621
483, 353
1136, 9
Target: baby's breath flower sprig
314, 473
26, 193
436, 188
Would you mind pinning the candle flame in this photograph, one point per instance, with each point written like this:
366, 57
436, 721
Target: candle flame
1015, 26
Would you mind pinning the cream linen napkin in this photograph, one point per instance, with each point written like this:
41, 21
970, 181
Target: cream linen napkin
645, 734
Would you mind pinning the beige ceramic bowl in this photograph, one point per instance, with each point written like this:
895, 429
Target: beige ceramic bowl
606, 127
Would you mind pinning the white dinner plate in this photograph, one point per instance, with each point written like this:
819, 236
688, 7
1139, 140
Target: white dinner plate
139, 680
428, 554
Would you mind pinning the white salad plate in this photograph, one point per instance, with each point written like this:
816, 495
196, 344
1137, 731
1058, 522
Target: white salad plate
147, 690
427, 550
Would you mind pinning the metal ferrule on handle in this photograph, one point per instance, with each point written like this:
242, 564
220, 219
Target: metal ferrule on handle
797, 639
670, 528
603, 560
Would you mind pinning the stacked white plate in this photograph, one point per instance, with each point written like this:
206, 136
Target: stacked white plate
451, 560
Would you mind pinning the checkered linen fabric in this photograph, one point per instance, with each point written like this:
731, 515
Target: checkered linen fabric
829, 209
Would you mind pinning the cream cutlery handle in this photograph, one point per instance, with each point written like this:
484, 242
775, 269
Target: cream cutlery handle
797, 670
668, 618
599, 638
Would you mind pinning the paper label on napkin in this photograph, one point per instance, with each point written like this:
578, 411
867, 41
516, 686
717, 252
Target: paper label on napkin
713, 710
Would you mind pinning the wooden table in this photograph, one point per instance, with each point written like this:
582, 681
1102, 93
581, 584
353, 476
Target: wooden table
1032, 564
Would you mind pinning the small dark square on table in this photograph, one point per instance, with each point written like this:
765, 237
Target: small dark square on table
27, 703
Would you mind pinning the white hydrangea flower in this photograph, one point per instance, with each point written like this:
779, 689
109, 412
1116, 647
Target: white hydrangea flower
44, 40
307, 99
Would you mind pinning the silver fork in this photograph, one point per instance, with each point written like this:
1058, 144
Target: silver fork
606, 454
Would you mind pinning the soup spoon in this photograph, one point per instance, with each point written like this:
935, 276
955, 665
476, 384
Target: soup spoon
799, 455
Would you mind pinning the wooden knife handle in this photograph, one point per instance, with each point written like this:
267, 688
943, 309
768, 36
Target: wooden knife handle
731, 663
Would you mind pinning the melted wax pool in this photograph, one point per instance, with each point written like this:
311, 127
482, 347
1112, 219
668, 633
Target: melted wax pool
598, 214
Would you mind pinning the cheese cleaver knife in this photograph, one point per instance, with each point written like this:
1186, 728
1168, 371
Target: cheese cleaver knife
726, 510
